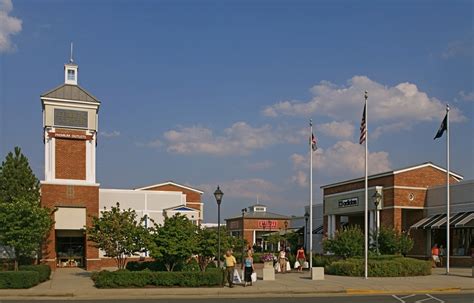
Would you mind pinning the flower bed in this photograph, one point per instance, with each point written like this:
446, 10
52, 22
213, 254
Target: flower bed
127, 279
388, 267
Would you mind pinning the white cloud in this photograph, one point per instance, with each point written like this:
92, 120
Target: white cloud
341, 130
111, 134
390, 128
469, 96
262, 165
403, 101
344, 159
301, 178
152, 144
8, 26
239, 139
244, 188
458, 48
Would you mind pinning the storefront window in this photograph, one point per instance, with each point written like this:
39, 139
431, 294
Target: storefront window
461, 243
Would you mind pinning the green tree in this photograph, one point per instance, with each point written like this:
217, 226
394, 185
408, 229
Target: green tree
17, 181
207, 245
388, 241
346, 243
405, 243
275, 238
119, 233
175, 241
23, 227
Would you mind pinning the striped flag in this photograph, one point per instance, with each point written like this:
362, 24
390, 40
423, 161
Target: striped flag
363, 128
313, 142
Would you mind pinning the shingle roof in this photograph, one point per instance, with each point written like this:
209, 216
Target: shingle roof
260, 215
70, 92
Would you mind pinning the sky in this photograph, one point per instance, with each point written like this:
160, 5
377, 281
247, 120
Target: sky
209, 93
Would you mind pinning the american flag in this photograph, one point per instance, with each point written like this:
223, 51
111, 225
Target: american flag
313, 142
363, 129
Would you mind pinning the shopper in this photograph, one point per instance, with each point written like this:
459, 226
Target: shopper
248, 268
301, 258
229, 267
282, 259
435, 255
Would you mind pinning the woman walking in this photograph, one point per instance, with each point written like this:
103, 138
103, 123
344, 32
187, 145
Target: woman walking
301, 258
248, 268
282, 259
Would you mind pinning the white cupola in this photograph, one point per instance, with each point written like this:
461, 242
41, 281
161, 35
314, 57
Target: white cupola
70, 71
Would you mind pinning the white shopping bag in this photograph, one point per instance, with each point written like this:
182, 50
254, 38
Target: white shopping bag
254, 277
236, 279
297, 265
288, 266
277, 267
306, 264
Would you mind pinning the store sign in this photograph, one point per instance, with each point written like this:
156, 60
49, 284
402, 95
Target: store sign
348, 202
70, 136
267, 224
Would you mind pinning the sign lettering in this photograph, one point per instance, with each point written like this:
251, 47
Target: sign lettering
70, 136
348, 202
270, 224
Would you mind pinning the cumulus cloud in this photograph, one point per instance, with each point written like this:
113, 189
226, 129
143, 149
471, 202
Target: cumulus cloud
469, 96
340, 130
111, 134
239, 139
402, 102
458, 48
344, 158
300, 178
8, 26
390, 128
245, 189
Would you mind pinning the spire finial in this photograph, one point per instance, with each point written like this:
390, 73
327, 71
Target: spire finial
366, 95
71, 60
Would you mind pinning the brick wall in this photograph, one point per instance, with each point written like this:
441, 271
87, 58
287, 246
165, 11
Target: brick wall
422, 177
252, 224
70, 157
191, 196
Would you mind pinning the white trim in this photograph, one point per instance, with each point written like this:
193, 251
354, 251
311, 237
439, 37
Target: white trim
404, 207
459, 177
406, 187
354, 191
69, 182
169, 183
194, 202
131, 190
59, 101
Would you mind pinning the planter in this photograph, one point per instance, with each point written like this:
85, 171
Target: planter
268, 264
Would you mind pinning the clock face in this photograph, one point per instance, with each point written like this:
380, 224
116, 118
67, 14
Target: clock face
411, 196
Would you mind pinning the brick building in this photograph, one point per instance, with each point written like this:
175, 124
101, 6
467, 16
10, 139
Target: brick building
255, 222
405, 201
70, 128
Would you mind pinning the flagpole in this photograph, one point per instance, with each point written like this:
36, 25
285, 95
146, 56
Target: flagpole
447, 190
366, 231
311, 199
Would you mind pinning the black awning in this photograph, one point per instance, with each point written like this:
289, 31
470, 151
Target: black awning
458, 220
318, 230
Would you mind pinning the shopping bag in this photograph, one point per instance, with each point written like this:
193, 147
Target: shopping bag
306, 264
236, 279
297, 265
288, 266
254, 277
277, 267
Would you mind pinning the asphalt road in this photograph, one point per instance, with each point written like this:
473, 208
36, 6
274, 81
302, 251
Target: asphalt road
418, 298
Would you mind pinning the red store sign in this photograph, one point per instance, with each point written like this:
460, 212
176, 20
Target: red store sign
270, 224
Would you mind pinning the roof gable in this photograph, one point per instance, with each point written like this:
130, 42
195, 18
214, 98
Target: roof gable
181, 208
70, 92
170, 183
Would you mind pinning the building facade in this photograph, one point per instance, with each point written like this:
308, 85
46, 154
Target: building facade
70, 128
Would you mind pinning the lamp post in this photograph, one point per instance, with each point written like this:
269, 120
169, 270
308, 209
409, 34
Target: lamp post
286, 226
244, 210
218, 195
306, 218
377, 198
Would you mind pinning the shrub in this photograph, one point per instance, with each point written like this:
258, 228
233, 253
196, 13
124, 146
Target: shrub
388, 267
125, 278
44, 271
18, 279
346, 243
392, 242
323, 260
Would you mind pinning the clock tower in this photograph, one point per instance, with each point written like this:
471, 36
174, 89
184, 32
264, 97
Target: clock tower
70, 124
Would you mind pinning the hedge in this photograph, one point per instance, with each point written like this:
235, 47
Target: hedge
44, 271
158, 266
19, 279
126, 279
395, 267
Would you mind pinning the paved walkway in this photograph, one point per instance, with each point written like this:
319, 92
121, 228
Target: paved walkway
77, 283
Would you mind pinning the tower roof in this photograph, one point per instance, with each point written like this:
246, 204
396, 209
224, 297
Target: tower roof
70, 92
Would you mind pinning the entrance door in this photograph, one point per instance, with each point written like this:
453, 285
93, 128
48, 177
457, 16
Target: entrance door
70, 248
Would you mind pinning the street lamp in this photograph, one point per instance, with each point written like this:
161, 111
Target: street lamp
218, 195
244, 210
286, 226
377, 198
306, 218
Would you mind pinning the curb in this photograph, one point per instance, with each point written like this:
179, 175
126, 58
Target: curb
351, 291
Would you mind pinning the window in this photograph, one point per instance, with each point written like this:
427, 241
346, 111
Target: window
71, 75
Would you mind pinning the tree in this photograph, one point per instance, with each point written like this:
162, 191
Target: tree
346, 243
207, 245
23, 226
119, 233
175, 241
405, 243
17, 181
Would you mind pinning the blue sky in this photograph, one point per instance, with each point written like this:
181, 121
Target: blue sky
220, 92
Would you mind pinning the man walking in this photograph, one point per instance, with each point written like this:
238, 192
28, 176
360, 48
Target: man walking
229, 267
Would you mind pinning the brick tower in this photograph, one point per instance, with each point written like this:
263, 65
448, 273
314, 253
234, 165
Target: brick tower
70, 120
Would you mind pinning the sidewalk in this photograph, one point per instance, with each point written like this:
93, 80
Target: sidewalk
77, 283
